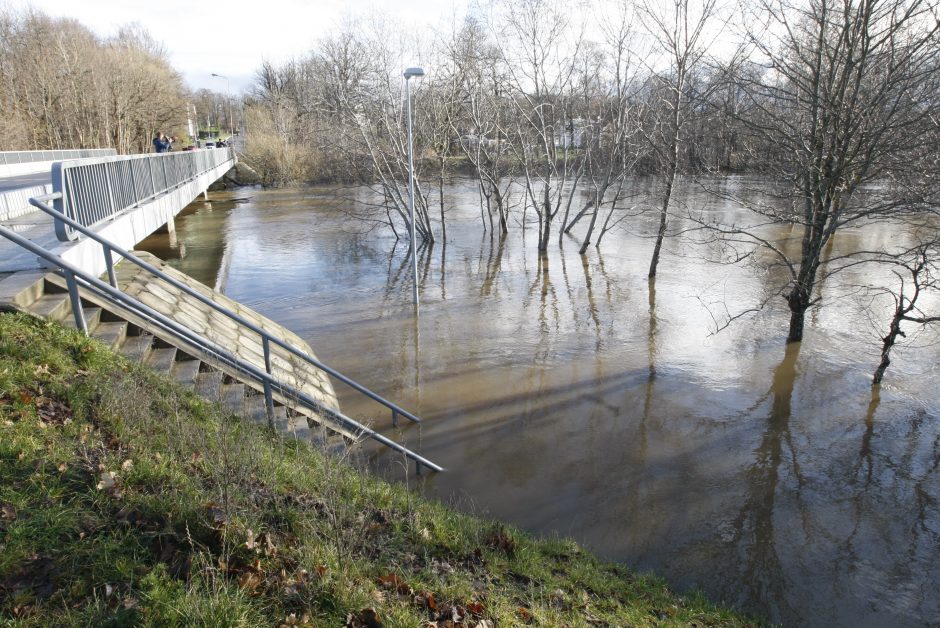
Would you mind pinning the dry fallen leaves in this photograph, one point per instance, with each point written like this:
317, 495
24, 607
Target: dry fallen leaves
475, 608
293, 620
500, 539
107, 480
393, 582
366, 618
7, 511
426, 599
217, 516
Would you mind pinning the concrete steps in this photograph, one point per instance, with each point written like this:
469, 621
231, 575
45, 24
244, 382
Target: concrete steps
44, 297
161, 360
185, 370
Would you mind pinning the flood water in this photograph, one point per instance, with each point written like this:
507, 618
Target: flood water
573, 398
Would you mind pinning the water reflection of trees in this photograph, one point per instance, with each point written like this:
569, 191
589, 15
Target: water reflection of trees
870, 525
557, 355
761, 570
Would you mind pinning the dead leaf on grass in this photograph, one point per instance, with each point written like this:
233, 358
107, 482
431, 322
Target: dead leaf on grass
217, 516
426, 599
107, 480
500, 539
293, 620
366, 618
475, 608
249, 581
393, 582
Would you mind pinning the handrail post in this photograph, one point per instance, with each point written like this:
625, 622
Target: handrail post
108, 177
76, 301
109, 262
268, 393
394, 418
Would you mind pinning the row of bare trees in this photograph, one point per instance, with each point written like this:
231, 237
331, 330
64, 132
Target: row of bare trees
541, 104
551, 110
61, 86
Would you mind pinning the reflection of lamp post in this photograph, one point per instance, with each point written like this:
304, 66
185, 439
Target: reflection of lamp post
410, 72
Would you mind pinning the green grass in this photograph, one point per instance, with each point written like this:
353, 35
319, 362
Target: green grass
126, 500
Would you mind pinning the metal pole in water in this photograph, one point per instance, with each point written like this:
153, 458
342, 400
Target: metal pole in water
410, 72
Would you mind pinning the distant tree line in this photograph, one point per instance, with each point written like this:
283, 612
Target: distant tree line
61, 86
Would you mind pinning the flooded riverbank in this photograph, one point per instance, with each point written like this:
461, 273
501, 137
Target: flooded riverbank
574, 398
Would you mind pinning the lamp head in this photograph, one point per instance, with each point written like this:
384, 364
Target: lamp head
410, 72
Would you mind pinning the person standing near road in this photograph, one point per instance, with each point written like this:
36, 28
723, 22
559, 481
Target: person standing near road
160, 143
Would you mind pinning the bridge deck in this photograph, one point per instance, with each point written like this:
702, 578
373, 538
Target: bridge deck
18, 182
124, 199
35, 226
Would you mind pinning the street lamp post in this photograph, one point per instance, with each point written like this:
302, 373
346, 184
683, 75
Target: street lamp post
228, 96
410, 72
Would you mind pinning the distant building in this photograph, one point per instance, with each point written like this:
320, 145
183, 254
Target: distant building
570, 134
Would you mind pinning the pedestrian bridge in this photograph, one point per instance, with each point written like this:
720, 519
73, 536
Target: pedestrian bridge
123, 198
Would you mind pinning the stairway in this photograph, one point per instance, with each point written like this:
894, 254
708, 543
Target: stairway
44, 297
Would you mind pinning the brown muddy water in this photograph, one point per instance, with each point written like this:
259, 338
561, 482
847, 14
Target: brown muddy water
573, 399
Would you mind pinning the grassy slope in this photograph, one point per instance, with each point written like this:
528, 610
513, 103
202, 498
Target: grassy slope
127, 500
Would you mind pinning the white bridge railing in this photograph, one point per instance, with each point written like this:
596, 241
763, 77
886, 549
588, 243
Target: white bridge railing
29, 156
95, 190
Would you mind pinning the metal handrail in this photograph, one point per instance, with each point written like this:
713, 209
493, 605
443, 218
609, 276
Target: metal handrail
75, 277
11, 157
266, 338
95, 190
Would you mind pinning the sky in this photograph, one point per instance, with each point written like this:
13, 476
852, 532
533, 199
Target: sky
232, 38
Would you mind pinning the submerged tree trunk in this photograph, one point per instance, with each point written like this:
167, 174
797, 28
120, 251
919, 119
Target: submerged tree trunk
661, 233
591, 225
887, 343
546, 224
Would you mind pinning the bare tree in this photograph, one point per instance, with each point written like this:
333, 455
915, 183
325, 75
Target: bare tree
679, 26
611, 84
481, 128
63, 87
541, 45
917, 272
840, 95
